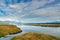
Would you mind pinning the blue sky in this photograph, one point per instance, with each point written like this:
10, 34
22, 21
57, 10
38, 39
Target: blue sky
30, 10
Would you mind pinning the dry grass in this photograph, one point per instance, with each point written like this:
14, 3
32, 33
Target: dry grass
35, 36
8, 29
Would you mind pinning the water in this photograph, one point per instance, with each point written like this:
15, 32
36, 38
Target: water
37, 29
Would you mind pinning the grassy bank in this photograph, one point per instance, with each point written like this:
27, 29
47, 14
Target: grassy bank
35, 36
6, 29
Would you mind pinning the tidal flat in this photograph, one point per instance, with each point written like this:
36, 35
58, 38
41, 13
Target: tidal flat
36, 29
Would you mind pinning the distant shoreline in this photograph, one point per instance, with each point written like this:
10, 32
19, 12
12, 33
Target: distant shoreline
43, 24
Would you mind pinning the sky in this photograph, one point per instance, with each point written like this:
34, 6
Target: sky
30, 11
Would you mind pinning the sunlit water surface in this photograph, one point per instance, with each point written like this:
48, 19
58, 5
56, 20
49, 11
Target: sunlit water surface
37, 29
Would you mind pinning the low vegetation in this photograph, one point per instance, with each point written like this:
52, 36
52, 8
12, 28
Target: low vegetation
44, 25
35, 36
8, 29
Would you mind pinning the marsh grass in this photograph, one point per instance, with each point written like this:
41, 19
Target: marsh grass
6, 29
44, 25
35, 36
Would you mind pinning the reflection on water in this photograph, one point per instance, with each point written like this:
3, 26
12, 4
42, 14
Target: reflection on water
44, 30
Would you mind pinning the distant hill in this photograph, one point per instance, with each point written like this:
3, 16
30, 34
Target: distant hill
56, 22
47, 24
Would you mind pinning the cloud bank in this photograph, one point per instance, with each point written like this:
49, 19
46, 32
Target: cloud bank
30, 10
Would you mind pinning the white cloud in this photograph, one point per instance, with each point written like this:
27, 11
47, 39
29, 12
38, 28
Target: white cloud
20, 10
36, 4
46, 14
8, 19
53, 12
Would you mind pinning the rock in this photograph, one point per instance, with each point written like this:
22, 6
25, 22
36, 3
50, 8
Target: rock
35, 36
8, 30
